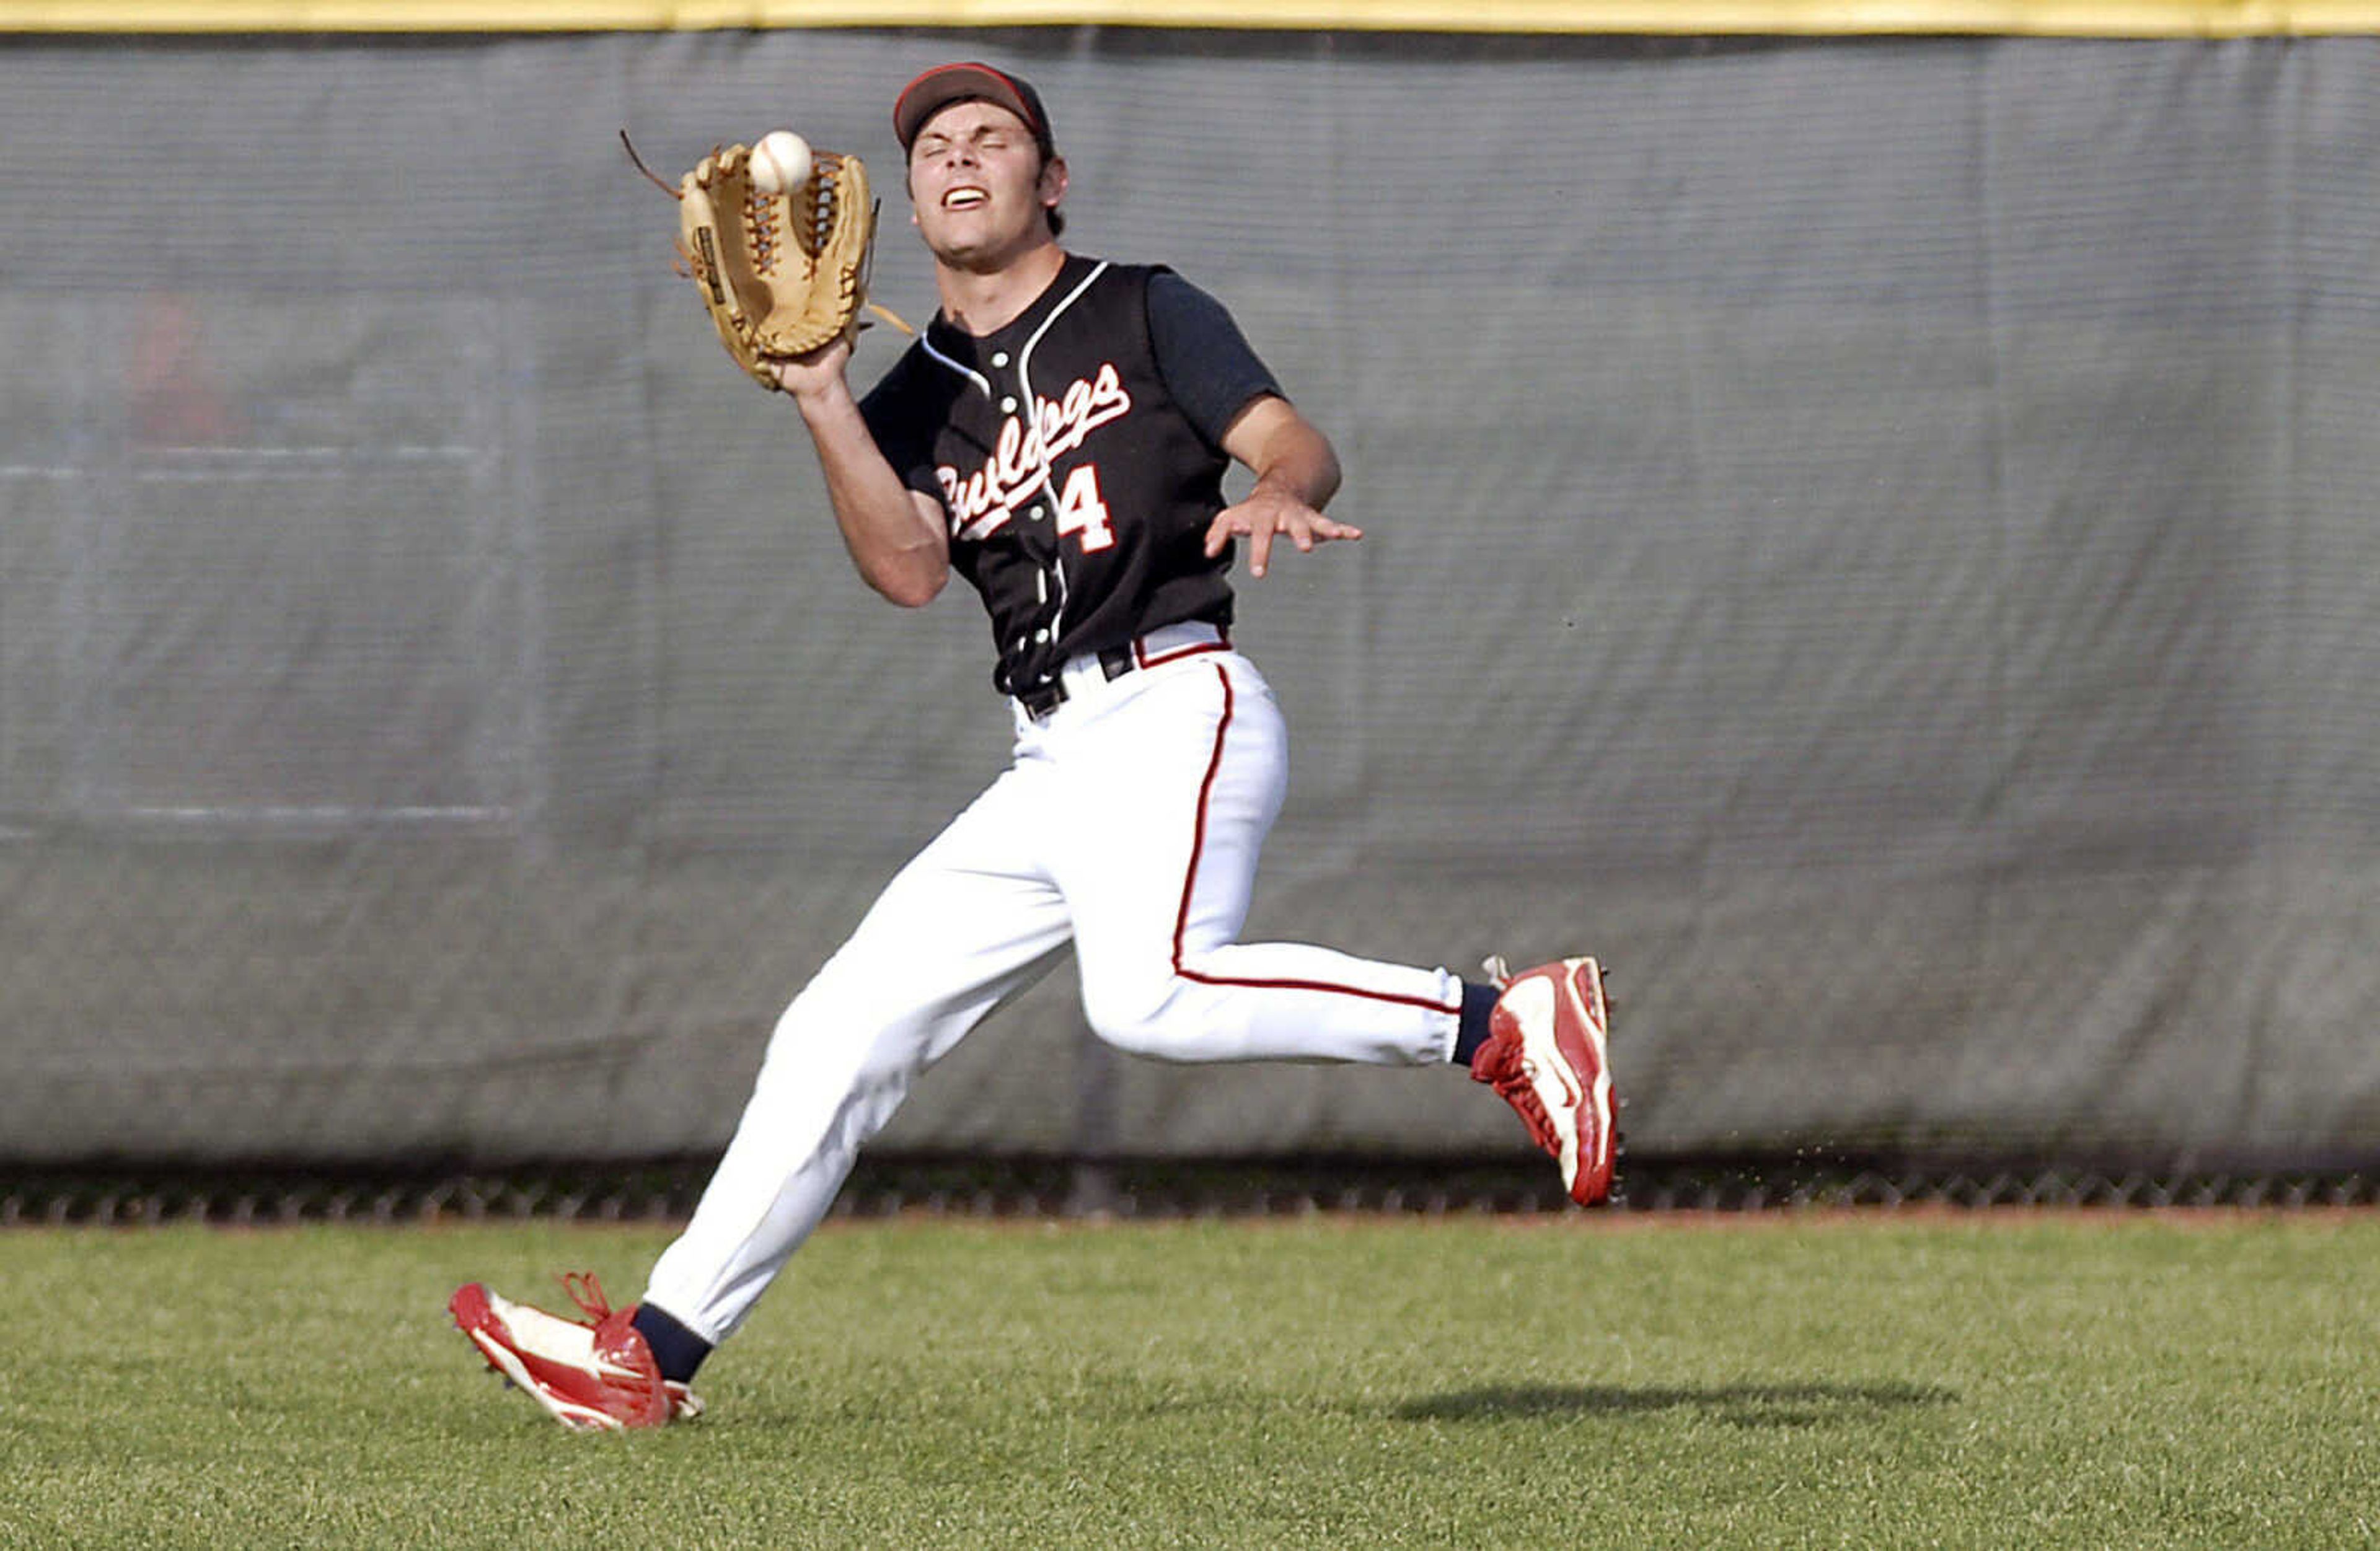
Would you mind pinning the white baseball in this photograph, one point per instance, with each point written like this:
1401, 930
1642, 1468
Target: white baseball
780, 162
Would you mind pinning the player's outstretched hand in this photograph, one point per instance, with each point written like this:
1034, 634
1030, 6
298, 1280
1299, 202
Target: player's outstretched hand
1267, 513
816, 371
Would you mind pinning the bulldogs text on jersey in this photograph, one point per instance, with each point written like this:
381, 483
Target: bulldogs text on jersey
1077, 491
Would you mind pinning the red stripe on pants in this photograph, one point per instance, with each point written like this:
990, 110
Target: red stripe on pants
1190, 884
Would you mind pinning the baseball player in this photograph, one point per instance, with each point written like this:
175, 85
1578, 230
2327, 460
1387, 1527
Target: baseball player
1058, 437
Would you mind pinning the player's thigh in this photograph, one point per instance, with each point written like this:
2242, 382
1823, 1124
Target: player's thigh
970, 920
1173, 815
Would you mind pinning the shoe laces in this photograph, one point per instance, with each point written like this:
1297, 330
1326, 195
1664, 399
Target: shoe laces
587, 1290
1500, 1062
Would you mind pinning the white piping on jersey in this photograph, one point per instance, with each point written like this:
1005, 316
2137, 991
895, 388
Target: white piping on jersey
1033, 404
978, 378
1033, 408
1024, 367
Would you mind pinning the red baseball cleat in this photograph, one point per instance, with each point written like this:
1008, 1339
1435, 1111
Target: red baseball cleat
1546, 1054
595, 1374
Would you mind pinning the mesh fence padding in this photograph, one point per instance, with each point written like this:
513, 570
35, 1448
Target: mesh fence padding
1873, 537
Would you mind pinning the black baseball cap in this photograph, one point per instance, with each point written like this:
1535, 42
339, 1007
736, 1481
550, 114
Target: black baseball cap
945, 84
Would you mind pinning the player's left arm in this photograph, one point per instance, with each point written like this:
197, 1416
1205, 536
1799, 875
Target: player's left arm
1297, 473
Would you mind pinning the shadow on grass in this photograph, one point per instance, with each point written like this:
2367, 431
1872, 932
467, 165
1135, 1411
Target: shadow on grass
1744, 1405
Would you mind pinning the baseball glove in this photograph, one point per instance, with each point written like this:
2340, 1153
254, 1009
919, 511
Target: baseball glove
782, 275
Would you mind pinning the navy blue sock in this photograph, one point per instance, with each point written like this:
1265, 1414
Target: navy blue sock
1472, 1033
678, 1350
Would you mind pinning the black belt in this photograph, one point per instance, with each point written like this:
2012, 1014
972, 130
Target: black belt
1040, 700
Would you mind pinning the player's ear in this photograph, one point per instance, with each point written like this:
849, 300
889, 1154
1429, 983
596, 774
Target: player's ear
1053, 182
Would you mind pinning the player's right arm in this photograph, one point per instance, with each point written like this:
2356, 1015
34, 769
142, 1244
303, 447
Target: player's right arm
894, 533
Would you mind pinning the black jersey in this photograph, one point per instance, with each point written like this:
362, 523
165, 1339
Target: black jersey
1081, 524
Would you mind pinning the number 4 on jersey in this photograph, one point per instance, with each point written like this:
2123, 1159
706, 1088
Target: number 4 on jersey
1080, 510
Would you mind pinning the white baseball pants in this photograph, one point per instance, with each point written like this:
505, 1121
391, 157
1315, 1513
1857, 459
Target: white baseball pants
1129, 823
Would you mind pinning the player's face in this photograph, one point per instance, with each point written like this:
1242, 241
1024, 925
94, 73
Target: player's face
979, 187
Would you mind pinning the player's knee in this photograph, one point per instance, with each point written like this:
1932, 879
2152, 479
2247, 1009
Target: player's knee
1138, 1037
1141, 1021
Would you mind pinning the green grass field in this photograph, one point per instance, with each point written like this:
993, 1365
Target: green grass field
1985, 1380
